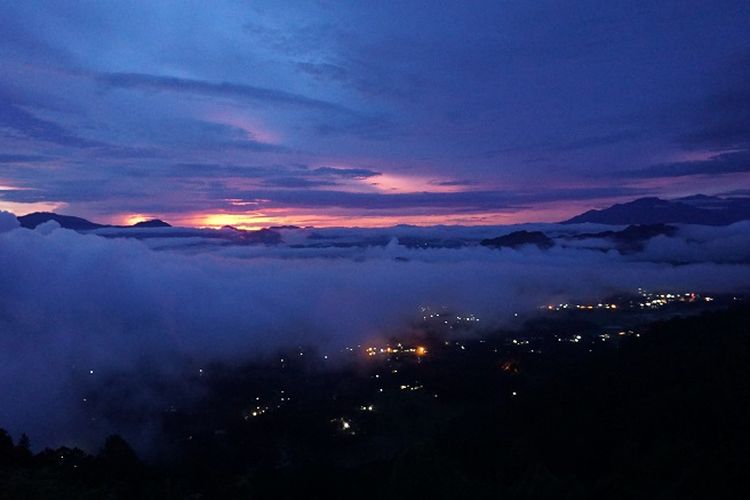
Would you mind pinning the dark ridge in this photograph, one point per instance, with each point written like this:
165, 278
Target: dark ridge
633, 237
31, 221
696, 209
632, 233
520, 238
152, 223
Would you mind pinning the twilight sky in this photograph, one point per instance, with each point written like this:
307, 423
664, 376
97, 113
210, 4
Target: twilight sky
255, 113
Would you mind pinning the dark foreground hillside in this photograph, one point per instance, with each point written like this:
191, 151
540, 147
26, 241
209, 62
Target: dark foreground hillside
662, 415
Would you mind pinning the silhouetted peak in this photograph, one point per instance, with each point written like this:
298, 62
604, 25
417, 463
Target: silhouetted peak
520, 238
697, 209
32, 220
152, 223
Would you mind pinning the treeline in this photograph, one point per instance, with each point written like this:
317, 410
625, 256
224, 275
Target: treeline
71, 473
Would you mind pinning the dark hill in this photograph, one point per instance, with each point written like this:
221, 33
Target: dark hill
633, 237
31, 221
152, 223
697, 209
632, 233
520, 238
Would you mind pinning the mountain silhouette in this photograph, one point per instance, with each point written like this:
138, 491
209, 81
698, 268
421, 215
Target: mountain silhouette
696, 209
32, 220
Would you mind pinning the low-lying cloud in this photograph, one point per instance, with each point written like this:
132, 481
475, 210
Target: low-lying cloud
76, 307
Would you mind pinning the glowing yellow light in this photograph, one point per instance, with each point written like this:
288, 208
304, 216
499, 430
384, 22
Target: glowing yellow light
132, 219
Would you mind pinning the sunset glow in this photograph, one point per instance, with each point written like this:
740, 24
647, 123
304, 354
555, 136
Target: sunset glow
129, 220
283, 217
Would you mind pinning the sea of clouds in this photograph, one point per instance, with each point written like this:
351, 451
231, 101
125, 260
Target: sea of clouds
76, 307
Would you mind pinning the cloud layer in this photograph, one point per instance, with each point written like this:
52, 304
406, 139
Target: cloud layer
75, 309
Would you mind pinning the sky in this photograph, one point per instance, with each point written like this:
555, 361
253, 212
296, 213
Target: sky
259, 113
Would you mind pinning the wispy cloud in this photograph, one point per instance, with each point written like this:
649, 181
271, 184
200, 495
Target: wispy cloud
725, 163
16, 120
141, 81
354, 173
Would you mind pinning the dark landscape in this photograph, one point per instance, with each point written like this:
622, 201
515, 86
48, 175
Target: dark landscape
320, 249
525, 414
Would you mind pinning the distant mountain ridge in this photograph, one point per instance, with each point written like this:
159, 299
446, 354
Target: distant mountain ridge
32, 220
142, 230
696, 209
518, 239
151, 223
631, 239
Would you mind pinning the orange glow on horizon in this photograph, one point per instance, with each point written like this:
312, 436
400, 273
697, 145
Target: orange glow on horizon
259, 219
131, 219
257, 214
238, 220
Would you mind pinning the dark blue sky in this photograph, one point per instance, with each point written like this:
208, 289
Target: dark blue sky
253, 113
